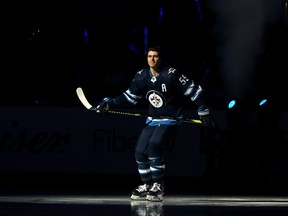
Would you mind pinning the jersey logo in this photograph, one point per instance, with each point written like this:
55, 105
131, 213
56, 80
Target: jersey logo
155, 99
171, 70
140, 72
153, 79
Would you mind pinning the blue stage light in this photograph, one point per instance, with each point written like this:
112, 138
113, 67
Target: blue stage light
262, 102
231, 104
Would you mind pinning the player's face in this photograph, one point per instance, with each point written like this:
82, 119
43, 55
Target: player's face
153, 59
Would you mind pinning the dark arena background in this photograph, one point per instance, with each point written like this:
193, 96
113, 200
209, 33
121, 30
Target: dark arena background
50, 143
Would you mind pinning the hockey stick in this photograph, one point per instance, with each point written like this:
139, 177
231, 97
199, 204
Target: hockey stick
85, 102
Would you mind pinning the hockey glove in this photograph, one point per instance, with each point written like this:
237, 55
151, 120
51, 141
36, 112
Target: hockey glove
103, 107
206, 118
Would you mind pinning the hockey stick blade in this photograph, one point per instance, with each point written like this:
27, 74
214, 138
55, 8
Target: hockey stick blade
85, 102
83, 99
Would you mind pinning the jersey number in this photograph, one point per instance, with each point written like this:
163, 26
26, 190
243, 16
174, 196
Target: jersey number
183, 79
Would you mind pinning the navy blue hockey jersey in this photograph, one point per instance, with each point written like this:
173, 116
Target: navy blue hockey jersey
163, 92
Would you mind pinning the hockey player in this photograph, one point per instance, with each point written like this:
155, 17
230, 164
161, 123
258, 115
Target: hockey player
163, 87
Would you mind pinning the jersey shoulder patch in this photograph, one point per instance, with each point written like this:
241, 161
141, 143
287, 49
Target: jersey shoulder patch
141, 74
